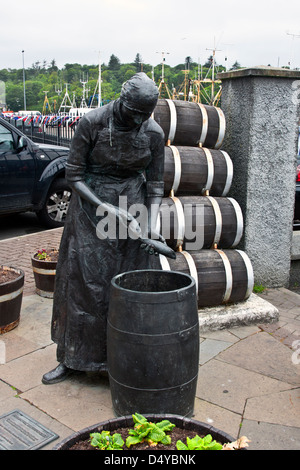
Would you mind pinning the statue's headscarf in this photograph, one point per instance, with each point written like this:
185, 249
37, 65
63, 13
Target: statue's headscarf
139, 93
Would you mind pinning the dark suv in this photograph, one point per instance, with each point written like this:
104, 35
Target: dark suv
32, 177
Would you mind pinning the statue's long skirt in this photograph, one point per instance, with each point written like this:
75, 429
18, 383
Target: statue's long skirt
85, 268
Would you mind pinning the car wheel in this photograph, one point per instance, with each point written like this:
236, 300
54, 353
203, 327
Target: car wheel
54, 212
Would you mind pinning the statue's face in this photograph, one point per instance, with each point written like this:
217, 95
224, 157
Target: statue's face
133, 118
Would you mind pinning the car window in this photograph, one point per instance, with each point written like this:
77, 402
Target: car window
6, 139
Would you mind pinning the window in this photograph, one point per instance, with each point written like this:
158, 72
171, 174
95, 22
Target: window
6, 139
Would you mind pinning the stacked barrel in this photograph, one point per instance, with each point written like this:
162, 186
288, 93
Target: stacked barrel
198, 177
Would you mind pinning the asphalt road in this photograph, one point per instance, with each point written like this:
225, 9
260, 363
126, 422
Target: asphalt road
16, 225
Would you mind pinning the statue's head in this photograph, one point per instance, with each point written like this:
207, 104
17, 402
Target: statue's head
138, 98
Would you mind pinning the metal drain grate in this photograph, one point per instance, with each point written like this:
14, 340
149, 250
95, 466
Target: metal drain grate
19, 431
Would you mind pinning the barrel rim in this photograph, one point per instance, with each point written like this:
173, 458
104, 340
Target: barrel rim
127, 421
42, 262
16, 270
161, 272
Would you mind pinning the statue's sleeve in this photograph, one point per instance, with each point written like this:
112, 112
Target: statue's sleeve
80, 149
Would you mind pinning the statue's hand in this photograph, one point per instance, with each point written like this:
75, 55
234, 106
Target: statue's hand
157, 247
124, 217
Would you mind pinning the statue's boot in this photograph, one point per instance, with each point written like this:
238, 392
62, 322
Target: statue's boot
60, 373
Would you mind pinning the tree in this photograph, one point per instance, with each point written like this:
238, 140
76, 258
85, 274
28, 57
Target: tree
114, 63
53, 67
188, 62
138, 62
236, 66
14, 96
208, 62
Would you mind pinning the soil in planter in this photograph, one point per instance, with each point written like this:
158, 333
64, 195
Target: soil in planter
52, 255
7, 275
176, 434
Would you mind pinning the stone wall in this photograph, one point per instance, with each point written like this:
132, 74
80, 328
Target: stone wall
261, 107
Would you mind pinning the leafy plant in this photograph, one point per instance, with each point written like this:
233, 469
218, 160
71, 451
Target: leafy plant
150, 432
199, 443
153, 433
104, 441
46, 255
41, 254
258, 289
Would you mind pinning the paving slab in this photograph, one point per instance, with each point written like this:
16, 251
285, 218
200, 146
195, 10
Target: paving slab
78, 402
218, 417
210, 348
6, 391
34, 329
263, 354
276, 407
60, 429
231, 386
26, 372
266, 436
15, 346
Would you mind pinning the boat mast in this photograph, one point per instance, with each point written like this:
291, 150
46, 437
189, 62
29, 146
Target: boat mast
162, 83
64, 102
214, 50
99, 84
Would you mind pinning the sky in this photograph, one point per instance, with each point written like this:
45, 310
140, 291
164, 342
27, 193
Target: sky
256, 32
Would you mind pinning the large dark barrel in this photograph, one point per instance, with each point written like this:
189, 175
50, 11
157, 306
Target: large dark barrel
153, 342
194, 170
221, 276
196, 222
11, 294
189, 123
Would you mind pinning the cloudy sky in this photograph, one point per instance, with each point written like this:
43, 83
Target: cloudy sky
257, 32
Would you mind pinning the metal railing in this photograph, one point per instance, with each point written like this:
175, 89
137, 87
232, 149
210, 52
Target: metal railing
54, 133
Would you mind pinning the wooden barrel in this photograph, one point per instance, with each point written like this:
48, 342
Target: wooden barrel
44, 275
195, 170
153, 342
221, 276
11, 294
188, 123
196, 222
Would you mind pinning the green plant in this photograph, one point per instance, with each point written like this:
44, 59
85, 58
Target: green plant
104, 441
258, 289
47, 255
41, 254
198, 443
149, 432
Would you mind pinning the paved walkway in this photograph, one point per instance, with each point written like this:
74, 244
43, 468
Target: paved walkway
249, 377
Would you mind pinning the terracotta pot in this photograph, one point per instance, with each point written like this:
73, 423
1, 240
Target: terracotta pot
44, 276
11, 294
127, 421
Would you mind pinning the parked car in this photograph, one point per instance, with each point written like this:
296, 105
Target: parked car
297, 198
32, 177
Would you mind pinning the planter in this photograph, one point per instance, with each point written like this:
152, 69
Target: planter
11, 293
127, 422
44, 271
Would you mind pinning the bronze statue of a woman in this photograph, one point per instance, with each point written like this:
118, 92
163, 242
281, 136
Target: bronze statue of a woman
117, 150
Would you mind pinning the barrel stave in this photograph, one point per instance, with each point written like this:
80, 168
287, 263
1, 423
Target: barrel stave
223, 276
213, 220
198, 169
189, 123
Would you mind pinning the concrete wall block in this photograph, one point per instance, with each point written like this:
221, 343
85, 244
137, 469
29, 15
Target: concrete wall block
261, 109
